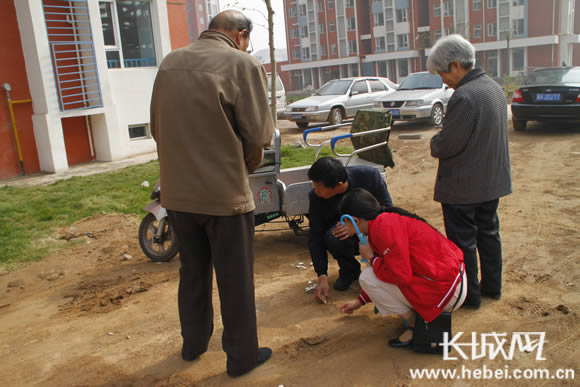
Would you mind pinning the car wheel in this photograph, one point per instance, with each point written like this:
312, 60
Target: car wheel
520, 125
302, 125
436, 114
335, 117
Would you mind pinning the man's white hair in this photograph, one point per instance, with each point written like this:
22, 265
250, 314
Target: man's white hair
453, 48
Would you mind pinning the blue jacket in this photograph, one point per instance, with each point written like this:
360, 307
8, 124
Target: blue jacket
323, 213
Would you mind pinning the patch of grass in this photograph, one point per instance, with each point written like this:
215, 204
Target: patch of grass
31, 216
297, 157
294, 98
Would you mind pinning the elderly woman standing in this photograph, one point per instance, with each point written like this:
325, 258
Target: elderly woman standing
474, 163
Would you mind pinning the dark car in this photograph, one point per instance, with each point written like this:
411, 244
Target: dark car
550, 94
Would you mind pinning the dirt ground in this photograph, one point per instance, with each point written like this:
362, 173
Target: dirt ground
100, 313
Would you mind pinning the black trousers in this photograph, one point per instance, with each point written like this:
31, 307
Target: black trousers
344, 251
475, 228
226, 243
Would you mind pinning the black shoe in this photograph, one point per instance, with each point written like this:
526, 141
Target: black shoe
492, 295
187, 353
342, 284
396, 343
264, 354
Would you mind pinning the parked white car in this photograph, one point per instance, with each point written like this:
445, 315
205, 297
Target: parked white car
339, 99
280, 95
420, 96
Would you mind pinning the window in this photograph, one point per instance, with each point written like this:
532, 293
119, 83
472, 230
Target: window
294, 33
349, 3
491, 3
333, 48
292, 12
352, 47
436, 35
380, 44
518, 2
323, 51
331, 26
477, 31
330, 3
379, 19
305, 53
302, 10
437, 9
128, 33
403, 67
322, 28
304, 31
476, 5
351, 24
138, 132
296, 53
448, 8
518, 26
360, 87
518, 59
492, 63
401, 15
448, 31
320, 5
403, 41
492, 29
377, 85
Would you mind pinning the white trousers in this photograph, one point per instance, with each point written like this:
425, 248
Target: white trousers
388, 297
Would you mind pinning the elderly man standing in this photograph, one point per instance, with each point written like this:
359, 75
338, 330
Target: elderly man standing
474, 163
211, 121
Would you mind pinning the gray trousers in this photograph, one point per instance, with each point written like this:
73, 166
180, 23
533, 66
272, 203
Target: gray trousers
226, 243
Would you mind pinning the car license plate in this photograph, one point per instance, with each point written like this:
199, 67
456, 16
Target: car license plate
395, 112
547, 96
296, 116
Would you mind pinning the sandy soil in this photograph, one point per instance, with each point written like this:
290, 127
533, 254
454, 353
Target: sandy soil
100, 313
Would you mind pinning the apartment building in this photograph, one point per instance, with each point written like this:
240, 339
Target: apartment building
79, 76
330, 39
199, 14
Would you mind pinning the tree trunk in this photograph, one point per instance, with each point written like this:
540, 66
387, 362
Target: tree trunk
272, 60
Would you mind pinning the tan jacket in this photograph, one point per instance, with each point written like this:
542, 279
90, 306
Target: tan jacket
211, 120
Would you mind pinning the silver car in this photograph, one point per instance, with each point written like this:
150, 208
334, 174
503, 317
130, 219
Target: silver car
339, 99
420, 96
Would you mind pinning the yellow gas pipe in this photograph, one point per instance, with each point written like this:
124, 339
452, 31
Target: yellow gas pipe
8, 88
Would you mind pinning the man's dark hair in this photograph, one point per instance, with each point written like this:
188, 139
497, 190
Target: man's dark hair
328, 171
230, 20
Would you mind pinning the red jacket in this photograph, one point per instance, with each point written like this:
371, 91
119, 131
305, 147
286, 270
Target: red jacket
424, 264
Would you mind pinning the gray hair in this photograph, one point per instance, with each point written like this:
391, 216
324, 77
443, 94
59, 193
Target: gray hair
453, 48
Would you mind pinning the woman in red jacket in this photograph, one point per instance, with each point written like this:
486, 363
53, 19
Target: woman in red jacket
412, 266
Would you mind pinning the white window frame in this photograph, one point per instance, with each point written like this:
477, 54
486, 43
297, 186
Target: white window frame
493, 31
379, 48
477, 31
379, 19
305, 51
405, 41
402, 15
118, 47
351, 24
349, 3
437, 9
322, 28
448, 8
491, 4
352, 47
476, 5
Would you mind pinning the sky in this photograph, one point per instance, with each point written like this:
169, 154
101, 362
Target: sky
256, 10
